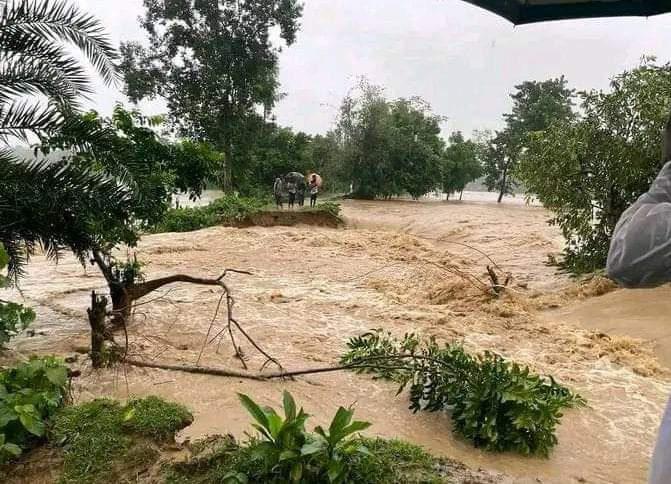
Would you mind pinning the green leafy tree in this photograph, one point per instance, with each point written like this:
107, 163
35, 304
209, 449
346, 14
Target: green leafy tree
460, 164
590, 169
388, 147
536, 104
276, 150
214, 63
326, 158
416, 146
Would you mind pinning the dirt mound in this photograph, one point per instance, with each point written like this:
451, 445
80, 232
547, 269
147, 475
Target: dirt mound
290, 218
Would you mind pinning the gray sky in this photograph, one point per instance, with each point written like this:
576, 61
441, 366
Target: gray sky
461, 59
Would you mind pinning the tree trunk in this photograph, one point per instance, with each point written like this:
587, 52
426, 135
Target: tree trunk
97, 313
447, 196
461, 195
121, 305
504, 180
227, 175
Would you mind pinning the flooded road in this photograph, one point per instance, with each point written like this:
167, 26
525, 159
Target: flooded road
313, 288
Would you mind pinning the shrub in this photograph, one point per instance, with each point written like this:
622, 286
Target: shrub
30, 393
287, 453
493, 403
228, 209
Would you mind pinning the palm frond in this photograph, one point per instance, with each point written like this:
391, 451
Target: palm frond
57, 21
56, 206
19, 118
32, 65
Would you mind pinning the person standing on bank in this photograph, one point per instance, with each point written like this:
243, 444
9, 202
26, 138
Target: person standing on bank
640, 256
314, 190
291, 188
300, 193
277, 193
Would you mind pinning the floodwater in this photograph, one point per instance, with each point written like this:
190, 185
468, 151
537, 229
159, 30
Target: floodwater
401, 265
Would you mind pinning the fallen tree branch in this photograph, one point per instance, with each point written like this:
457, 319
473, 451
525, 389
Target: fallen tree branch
203, 370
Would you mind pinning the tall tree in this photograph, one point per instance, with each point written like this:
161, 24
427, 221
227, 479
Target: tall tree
214, 63
389, 147
590, 169
460, 164
536, 104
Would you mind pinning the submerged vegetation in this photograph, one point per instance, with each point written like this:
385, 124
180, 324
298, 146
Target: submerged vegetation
493, 403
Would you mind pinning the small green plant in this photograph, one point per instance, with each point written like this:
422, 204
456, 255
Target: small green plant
14, 318
30, 393
287, 453
495, 404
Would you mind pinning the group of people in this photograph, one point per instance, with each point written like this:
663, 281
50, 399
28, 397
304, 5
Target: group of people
295, 189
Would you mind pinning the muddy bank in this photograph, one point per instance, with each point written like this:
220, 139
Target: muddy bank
313, 287
290, 218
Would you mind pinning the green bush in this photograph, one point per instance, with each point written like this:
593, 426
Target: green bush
102, 435
228, 209
285, 452
30, 393
493, 403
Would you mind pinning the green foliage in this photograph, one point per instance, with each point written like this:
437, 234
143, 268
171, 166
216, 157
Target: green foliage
13, 317
460, 163
589, 169
100, 436
287, 453
331, 208
389, 147
387, 462
536, 104
227, 210
493, 403
30, 393
215, 64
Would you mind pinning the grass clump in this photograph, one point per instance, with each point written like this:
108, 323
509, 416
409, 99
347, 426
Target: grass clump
330, 208
495, 404
155, 418
228, 209
103, 439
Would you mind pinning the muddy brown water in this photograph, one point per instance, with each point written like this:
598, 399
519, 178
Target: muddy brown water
313, 288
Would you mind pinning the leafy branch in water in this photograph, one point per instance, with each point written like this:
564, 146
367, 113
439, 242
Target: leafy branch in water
495, 404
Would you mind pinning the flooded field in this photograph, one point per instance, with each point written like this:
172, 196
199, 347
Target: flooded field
313, 288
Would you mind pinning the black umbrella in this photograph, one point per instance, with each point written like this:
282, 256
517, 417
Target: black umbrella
529, 11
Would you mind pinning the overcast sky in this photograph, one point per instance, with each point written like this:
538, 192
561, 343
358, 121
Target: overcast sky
463, 60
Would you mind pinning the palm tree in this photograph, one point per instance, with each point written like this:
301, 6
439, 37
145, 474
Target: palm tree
41, 84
